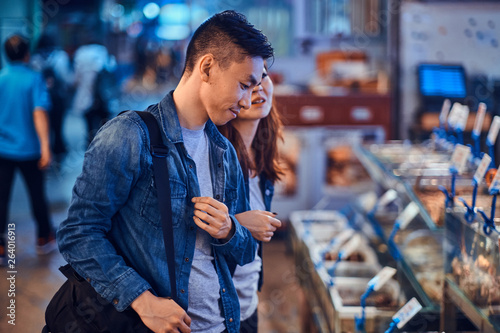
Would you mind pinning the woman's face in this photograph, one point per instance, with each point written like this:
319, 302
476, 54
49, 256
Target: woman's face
262, 99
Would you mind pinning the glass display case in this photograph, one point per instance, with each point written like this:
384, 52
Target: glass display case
472, 282
338, 284
417, 174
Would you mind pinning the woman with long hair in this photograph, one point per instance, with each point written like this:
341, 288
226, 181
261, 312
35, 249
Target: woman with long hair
255, 134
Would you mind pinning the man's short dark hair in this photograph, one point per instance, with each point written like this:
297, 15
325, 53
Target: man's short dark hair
16, 47
229, 37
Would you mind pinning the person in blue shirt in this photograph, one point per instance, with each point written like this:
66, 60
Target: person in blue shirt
24, 139
255, 135
112, 236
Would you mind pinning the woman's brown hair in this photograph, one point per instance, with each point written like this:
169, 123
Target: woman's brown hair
264, 145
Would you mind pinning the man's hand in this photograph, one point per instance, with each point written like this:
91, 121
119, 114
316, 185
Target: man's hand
161, 315
260, 223
213, 217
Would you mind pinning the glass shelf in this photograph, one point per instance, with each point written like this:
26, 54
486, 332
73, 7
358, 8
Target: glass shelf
472, 270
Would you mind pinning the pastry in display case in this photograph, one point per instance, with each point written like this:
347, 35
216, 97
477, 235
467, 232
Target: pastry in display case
472, 268
289, 151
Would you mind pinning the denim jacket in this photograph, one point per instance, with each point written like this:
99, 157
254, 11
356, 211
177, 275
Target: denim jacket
113, 236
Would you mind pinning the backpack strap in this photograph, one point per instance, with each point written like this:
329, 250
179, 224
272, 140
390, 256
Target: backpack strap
159, 153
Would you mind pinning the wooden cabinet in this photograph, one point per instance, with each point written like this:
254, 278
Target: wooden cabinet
350, 110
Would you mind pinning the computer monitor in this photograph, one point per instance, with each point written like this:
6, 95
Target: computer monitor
440, 81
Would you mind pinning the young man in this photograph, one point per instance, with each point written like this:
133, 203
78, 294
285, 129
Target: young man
24, 140
113, 237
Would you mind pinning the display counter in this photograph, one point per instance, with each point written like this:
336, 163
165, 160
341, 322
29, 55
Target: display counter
396, 229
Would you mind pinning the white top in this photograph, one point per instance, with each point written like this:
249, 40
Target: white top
246, 278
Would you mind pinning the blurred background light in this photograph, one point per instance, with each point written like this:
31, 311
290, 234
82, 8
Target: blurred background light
175, 14
173, 32
151, 10
117, 10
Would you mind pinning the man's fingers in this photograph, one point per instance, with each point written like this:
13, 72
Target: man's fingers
184, 326
275, 222
187, 320
202, 224
207, 218
210, 201
211, 210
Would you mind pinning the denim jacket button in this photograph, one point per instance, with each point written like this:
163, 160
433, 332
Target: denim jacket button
268, 192
182, 291
187, 259
223, 290
115, 301
230, 320
217, 197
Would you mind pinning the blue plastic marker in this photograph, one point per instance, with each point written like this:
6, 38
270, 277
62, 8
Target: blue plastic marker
373, 285
441, 131
457, 165
470, 214
404, 315
458, 119
494, 189
476, 131
402, 221
492, 138
349, 247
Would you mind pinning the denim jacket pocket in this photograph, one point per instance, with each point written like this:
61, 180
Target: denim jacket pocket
230, 197
150, 211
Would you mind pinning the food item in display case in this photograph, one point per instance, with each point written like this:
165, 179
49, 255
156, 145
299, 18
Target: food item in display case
477, 279
363, 253
350, 290
434, 202
422, 251
343, 168
289, 151
432, 284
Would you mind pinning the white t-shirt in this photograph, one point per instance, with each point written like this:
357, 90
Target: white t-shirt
246, 278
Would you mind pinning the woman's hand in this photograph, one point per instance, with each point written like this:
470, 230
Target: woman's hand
260, 223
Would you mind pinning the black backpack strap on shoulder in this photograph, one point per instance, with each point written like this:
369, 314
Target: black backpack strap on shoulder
159, 153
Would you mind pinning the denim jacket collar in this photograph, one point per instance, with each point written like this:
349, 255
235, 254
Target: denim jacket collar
172, 128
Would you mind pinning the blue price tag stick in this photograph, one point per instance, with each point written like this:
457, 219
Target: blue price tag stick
360, 321
450, 196
392, 245
331, 271
393, 325
477, 145
489, 224
460, 136
470, 214
491, 151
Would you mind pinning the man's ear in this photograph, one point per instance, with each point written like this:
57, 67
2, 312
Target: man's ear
207, 64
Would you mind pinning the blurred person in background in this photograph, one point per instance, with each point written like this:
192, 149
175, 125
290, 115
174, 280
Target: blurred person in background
24, 139
55, 65
94, 83
254, 135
